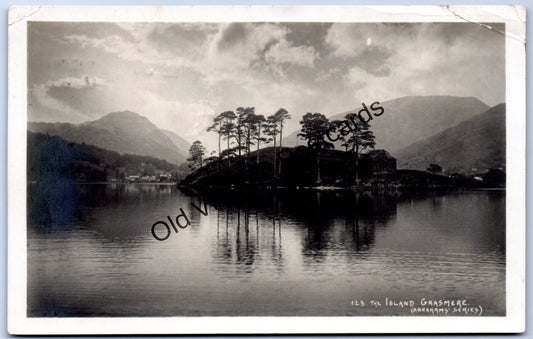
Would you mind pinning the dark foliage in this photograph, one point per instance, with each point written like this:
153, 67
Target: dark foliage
434, 168
299, 167
53, 158
315, 127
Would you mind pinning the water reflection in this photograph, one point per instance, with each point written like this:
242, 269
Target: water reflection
251, 223
243, 234
305, 252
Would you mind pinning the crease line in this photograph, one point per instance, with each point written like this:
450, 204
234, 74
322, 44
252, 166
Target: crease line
25, 16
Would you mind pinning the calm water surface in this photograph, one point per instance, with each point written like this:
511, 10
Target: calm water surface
91, 251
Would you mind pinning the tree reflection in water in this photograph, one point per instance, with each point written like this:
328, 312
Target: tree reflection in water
325, 222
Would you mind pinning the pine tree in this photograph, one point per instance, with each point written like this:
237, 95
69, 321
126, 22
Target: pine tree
196, 153
360, 140
314, 127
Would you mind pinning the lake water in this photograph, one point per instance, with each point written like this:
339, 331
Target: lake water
91, 252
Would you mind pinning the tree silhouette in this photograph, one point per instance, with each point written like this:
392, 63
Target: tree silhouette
249, 119
281, 115
314, 127
341, 137
196, 153
360, 139
242, 132
227, 128
258, 126
271, 129
217, 128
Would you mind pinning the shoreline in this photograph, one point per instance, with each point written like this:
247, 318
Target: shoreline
306, 188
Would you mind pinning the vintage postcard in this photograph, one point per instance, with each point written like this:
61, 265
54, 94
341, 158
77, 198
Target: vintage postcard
198, 170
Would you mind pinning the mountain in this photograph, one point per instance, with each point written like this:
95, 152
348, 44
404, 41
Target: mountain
123, 132
182, 144
414, 118
474, 145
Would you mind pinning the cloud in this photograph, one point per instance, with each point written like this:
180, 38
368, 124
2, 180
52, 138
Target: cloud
235, 46
181, 75
284, 52
374, 60
232, 35
135, 50
85, 98
349, 40
78, 83
189, 120
344, 40
328, 74
247, 42
356, 78
68, 99
43, 107
394, 60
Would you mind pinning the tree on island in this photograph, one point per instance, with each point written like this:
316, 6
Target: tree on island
336, 124
249, 120
360, 139
271, 129
281, 115
242, 127
216, 127
196, 153
258, 127
227, 128
314, 127
246, 129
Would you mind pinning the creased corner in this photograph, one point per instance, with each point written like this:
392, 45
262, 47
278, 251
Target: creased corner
520, 17
19, 13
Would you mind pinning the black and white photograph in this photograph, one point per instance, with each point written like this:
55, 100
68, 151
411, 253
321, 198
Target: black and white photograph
254, 167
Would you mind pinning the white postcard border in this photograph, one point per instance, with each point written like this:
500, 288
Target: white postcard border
514, 321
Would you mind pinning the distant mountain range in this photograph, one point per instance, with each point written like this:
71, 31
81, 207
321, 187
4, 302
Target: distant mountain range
122, 132
461, 134
471, 146
410, 119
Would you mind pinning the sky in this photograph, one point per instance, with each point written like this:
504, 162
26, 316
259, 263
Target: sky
181, 75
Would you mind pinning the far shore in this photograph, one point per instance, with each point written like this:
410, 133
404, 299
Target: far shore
108, 183
316, 188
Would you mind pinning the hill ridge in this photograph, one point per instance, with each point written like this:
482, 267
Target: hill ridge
412, 118
474, 145
123, 132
